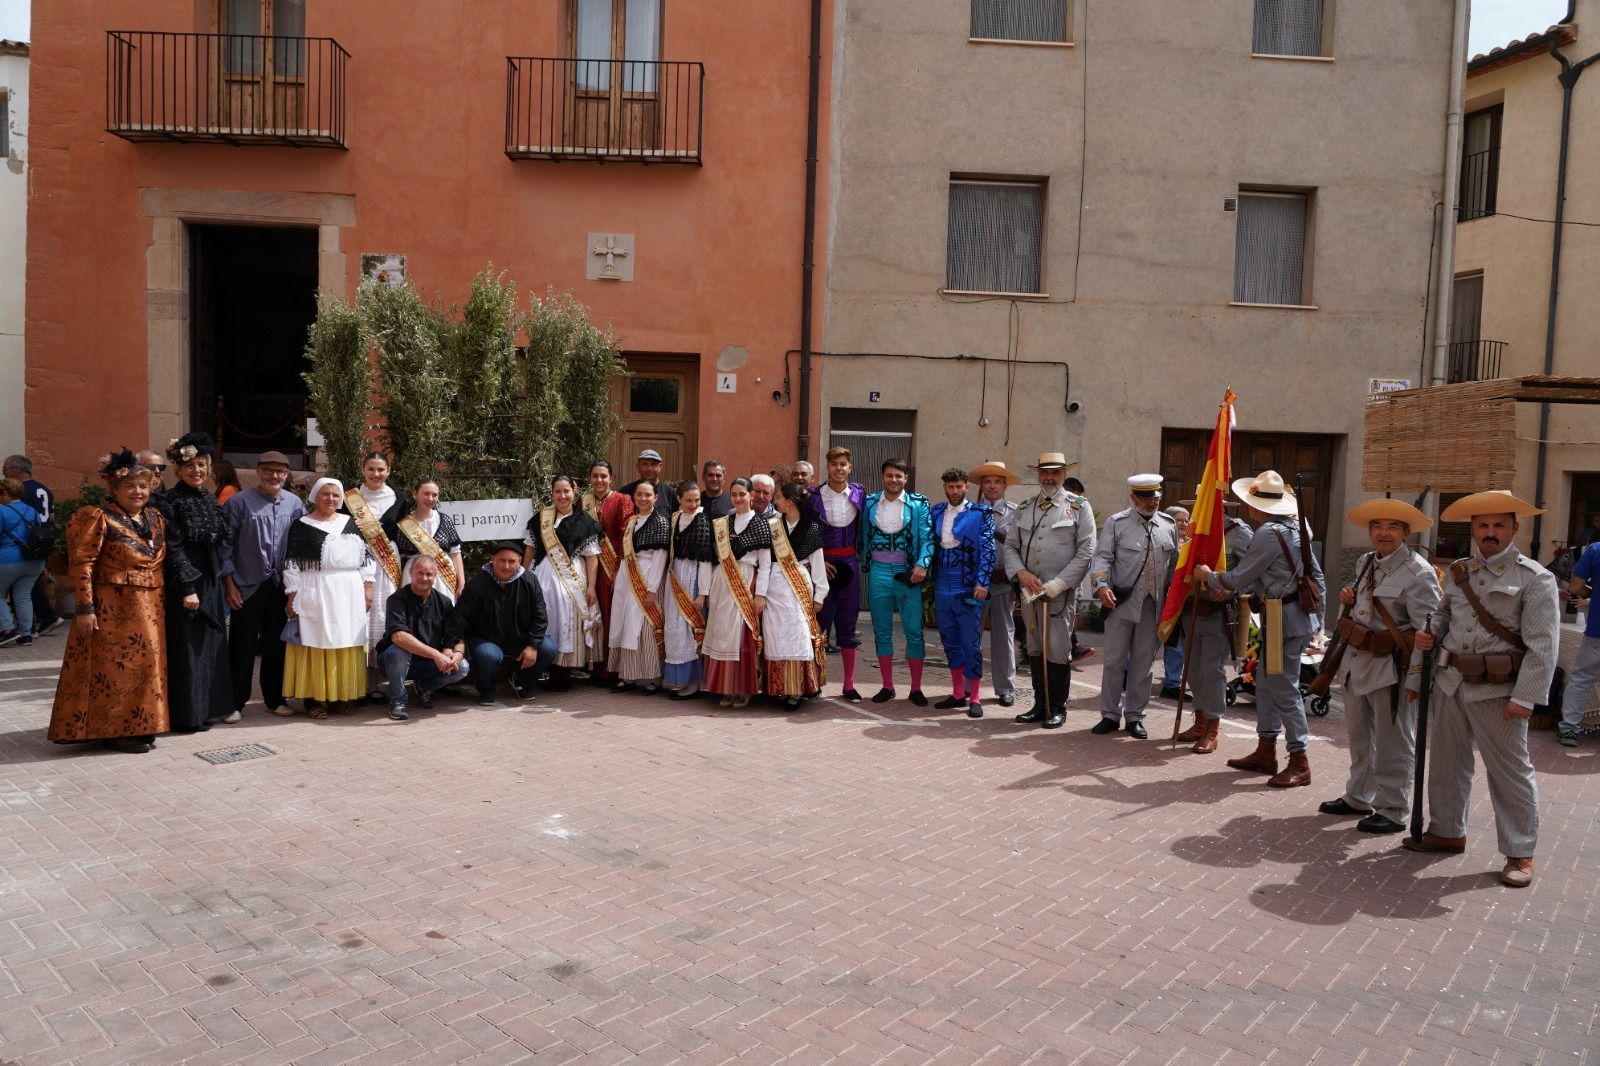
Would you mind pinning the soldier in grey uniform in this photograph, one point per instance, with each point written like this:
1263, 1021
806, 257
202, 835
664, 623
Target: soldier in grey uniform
1395, 593
1213, 646
1048, 551
1497, 630
1132, 563
993, 479
1268, 571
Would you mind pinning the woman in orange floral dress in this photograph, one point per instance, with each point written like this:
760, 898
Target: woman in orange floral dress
113, 685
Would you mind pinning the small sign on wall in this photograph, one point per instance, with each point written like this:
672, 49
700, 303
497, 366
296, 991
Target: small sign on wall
874, 397
388, 267
727, 382
1377, 385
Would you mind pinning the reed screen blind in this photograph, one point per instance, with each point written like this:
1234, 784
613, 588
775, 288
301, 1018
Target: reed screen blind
1270, 248
996, 234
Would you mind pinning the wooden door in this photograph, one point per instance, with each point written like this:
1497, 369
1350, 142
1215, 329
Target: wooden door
261, 65
1585, 514
659, 403
1304, 459
613, 91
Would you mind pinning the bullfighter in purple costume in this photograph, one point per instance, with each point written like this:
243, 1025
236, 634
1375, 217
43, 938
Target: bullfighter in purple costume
837, 505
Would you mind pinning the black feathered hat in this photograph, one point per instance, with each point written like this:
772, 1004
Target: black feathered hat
121, 465
190, 446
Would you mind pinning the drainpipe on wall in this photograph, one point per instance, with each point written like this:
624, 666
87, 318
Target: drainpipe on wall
1570, 72
1445, 285
807, 266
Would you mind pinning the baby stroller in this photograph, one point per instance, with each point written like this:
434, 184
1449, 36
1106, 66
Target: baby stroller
1310, 666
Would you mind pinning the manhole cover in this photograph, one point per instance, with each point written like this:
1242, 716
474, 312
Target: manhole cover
238, 754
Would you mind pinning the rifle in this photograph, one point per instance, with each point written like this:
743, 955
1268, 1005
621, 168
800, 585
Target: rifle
1330, 662
1424, 690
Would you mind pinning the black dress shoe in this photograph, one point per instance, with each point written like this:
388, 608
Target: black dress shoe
975, 709
1007, 699
1137, 731
1341, 808
1104, 726
1056, 719
1377, 823
1170, 693
1030, 717
850, 695
425, 698
918, 698
884, 695
949, 703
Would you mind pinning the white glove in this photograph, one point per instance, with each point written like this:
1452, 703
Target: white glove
1054, 587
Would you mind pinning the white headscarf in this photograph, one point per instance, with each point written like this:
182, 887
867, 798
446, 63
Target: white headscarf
316, 487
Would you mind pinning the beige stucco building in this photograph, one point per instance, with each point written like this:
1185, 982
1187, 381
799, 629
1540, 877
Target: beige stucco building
13, 238
1503, 256
1146, 203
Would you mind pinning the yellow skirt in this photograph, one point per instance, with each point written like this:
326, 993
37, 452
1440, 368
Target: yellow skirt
326, 674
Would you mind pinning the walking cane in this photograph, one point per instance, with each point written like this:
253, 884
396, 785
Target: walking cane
1044, 649
1424, 690
1188, 657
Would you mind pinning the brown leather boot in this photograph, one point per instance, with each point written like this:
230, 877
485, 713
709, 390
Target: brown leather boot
1264, 760
1207, 741
1297, 773
1195, 731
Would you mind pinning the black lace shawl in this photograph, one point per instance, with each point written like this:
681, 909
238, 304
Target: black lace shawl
756, 535
575, 532
306, 540
694, 542
445, 536
805, 538
654, 533
196, 531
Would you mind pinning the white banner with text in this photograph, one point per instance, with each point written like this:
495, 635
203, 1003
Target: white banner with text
490, 519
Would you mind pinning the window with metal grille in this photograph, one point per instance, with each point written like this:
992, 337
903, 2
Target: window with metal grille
1019, 20
1288, 28
1269, 251
873, 437
996, 234
1480, 163
5, 125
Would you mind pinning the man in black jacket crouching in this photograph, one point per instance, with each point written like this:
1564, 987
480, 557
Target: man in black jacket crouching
501, 615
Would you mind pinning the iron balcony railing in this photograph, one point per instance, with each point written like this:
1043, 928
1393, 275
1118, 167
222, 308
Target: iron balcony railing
225, 88
611, 110
1480, 184
1475, 360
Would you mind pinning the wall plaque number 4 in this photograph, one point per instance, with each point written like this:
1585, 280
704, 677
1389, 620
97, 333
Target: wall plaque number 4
727, 382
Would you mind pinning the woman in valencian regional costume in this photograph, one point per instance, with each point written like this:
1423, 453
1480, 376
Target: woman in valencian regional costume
328, 575
426, 530
563, 551
792, 641
694, 556
732, 643
370, 504
638, 621
611, 509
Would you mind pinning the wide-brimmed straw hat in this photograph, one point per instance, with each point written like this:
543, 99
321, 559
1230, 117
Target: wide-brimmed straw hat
995, 468
1495, 501
1053, 461
1395, 510
1267, 492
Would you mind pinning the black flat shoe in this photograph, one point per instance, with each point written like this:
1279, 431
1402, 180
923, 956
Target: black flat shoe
680, 696
377, 696
884, 695
1030, 717
949, 703
850, 695
1008, 699
974, 709
1377, 823
1137, 731
791, 703
1104, 726
1341, 808
1057, 719
918, 698
622, 686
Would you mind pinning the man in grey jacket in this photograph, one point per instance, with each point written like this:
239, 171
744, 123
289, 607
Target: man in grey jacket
1394, 595
1268, 572
993, 479
1132, 560
1498, 630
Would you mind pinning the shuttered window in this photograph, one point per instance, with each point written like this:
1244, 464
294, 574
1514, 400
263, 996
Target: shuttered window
1288, 28
996, 233
1019, 20
1269, 264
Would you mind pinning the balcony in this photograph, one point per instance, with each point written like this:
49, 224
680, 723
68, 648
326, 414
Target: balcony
213, 88
1474, 361
604, 110
1480, 184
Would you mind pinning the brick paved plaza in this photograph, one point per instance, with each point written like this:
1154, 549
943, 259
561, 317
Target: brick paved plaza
597, 878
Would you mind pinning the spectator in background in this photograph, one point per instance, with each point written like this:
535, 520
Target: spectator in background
713, 497
156, 462
37, 496
1172, 654
226, 478
649, 468
1592, 534
762, 486
17, 572
803, 474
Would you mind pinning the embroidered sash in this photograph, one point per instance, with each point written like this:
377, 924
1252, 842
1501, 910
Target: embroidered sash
784, 551
608, 552
635, 579
566, 571
723, 531
426, 545
681, 597
369, 525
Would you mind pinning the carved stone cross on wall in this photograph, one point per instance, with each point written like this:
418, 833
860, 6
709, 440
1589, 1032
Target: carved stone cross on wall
612, 251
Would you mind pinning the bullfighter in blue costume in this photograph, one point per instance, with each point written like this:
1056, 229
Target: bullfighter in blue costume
963, 560
896, 548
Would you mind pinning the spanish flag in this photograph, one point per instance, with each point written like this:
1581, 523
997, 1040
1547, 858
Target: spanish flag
1208, 525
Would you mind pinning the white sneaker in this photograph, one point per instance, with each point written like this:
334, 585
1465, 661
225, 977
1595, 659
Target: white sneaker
232, 717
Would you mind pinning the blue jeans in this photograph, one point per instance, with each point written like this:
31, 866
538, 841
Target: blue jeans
486, 657
400, 666
1172, 664
16, 581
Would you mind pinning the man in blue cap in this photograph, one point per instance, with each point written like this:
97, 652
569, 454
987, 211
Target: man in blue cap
649, 468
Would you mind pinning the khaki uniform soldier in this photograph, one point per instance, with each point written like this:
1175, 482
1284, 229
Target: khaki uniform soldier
993, 479
1268, 572
1497, 631
1213, 650
1048, 552
1395, 593
1132, 561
